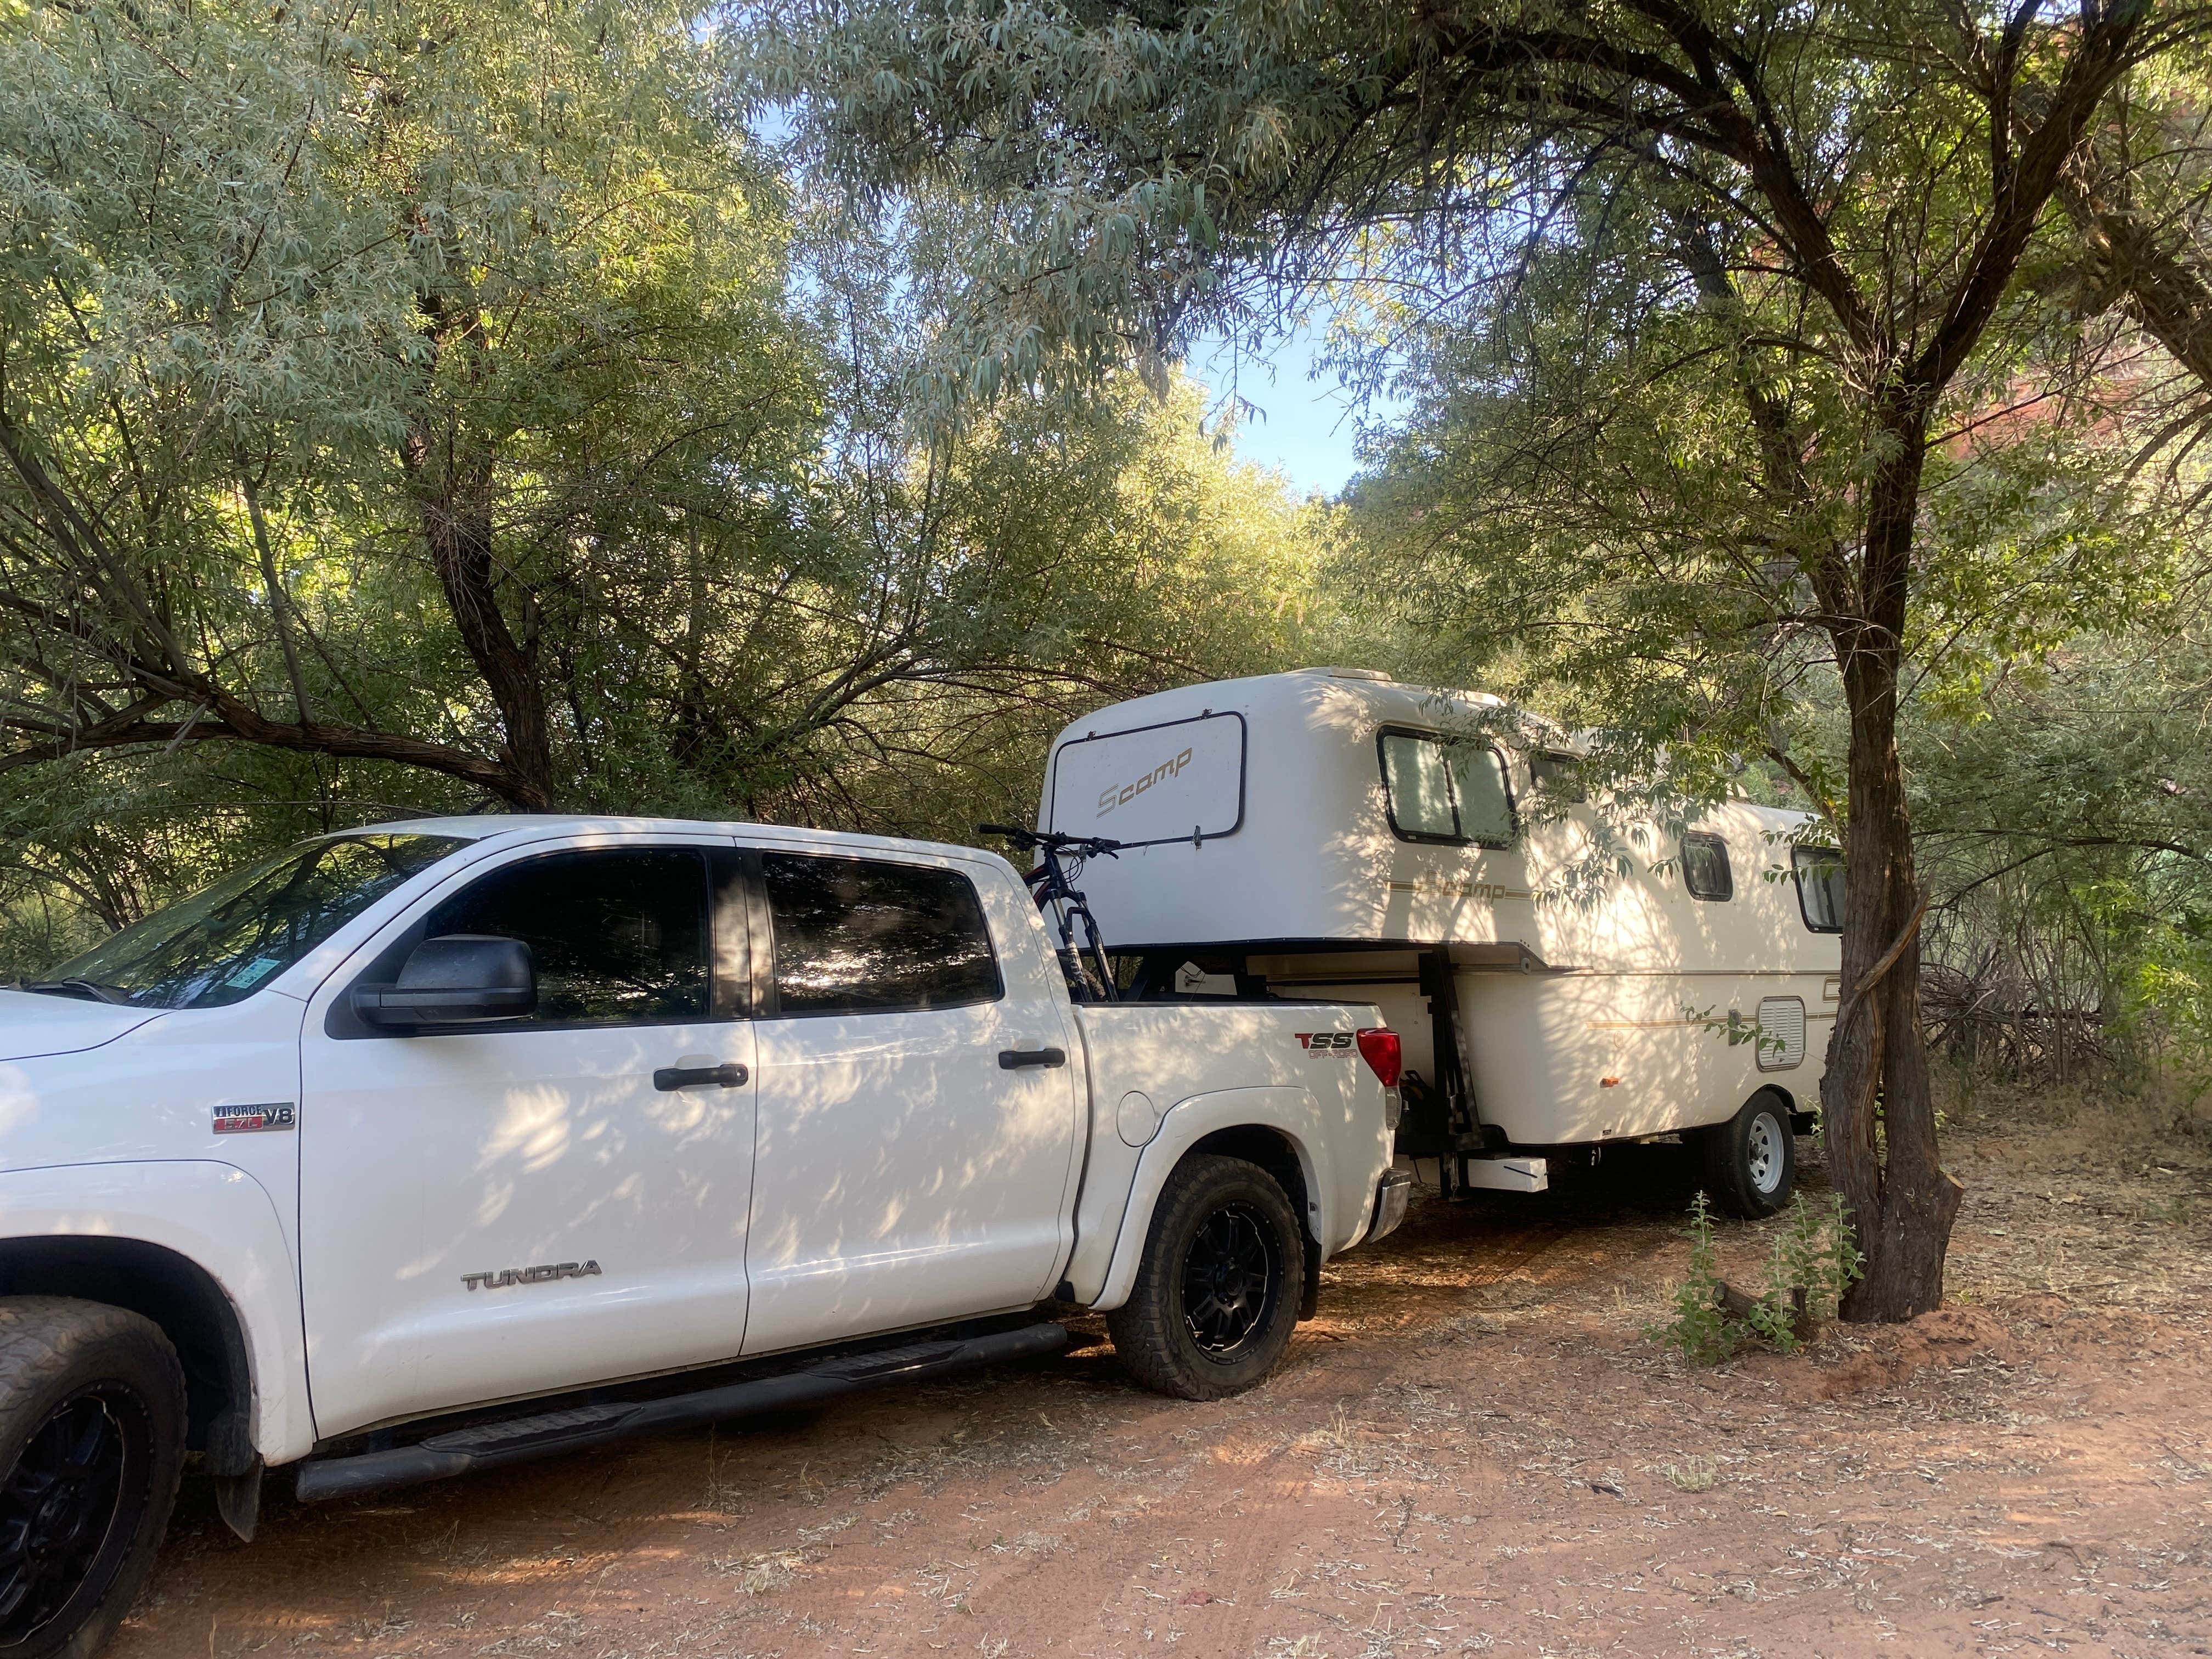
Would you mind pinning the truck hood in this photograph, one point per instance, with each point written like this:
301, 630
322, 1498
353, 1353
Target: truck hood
33, 1023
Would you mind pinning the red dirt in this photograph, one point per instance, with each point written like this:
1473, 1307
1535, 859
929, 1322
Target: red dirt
1474, 1450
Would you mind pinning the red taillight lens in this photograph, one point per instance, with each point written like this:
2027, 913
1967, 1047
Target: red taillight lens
1378, 1046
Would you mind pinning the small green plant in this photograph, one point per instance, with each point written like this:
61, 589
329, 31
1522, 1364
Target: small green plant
1694, 1474
1699, 1328
1813, 1263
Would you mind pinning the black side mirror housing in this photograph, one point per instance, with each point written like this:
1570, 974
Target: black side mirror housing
457, 978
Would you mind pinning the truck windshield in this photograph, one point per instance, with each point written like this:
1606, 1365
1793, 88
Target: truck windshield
224, 942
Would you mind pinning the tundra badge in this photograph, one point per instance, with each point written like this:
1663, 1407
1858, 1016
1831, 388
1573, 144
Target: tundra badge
551, 1270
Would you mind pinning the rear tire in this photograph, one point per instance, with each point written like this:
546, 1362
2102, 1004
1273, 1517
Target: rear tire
1751, 1160
1217, 1291
91, 1442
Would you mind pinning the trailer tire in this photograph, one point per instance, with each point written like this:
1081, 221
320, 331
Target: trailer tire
1751, 1160
1217, 1291
92, 1443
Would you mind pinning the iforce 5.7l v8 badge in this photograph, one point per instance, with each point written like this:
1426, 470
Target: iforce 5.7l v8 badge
247, 1119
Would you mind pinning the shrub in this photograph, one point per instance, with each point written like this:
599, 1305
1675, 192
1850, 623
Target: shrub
1812, 1262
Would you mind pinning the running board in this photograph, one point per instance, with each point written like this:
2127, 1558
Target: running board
486, 1445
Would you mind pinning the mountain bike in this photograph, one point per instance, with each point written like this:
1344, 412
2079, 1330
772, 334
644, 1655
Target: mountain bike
1061, 860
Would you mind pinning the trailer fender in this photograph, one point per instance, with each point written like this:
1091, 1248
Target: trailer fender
1292, 1115
219, 1219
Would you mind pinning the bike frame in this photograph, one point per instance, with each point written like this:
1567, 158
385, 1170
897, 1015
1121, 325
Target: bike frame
1056, 895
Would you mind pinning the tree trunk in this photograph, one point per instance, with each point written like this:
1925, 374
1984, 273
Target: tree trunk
454, 481
1878, 1116
455, 507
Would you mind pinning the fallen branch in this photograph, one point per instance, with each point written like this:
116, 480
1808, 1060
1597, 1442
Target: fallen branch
1737, 1305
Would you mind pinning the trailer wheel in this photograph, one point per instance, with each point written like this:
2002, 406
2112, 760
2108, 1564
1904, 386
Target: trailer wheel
1751, 1160
92, 1439
1217, 1291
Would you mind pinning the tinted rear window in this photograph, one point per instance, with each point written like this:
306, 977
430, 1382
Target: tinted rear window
864, 935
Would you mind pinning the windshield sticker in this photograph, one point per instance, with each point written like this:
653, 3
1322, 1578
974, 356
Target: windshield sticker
249, 1120
246, 978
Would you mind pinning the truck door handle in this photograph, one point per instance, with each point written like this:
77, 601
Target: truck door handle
729, 1076
1012, 1060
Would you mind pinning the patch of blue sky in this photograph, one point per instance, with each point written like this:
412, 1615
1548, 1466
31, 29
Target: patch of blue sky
1303, 423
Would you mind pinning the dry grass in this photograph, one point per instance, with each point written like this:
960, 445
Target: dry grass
2104, 1196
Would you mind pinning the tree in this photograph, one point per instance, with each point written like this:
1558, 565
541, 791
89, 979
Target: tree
405, 411
455, 391
1842, 197
2066, 826
269, 277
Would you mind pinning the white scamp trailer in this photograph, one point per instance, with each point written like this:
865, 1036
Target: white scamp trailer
1332, 833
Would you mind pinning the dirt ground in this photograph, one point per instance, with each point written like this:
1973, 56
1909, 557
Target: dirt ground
1474, 1450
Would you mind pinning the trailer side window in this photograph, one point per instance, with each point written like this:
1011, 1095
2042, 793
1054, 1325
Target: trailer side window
1558, 774
1479, 788
1819, 875
1705, 870
1453, 793
1421, 793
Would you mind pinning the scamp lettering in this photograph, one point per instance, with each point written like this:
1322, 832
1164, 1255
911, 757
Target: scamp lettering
1112, 796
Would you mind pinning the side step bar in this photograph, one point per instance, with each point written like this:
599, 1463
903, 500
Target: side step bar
486, 1445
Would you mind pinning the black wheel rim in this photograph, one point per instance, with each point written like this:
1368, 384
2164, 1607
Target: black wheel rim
59, 1509
1231, 1280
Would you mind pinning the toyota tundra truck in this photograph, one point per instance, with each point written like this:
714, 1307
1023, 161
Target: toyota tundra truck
433, 1146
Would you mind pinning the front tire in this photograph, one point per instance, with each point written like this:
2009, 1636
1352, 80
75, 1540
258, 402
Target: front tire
1217, 1291
1751, 1160
92, 1437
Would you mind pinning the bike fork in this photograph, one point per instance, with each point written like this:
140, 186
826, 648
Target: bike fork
1067, 909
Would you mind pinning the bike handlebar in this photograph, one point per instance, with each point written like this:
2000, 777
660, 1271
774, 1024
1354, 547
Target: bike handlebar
1086, 845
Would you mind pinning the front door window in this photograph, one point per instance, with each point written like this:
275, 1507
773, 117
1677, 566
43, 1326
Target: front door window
618, 937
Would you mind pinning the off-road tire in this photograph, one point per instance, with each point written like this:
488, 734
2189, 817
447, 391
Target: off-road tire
1751, 1160
95, 1397
1153, 1334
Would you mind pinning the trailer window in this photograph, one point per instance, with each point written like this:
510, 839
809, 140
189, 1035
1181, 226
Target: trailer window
1420, 791
1705, 870
1820, 874
1479, 791
1558, 774
1453, 793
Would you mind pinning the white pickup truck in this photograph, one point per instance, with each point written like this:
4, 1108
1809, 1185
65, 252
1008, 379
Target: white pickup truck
436, 1145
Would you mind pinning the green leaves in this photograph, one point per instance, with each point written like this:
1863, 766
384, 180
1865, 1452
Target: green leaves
421, 408
1811, 1264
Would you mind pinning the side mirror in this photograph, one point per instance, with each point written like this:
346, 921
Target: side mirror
457, 980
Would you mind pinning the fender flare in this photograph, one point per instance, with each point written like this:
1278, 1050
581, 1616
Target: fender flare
1292, 1113
222, 1220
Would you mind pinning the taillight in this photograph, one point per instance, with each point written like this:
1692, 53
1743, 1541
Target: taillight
1378, 1046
